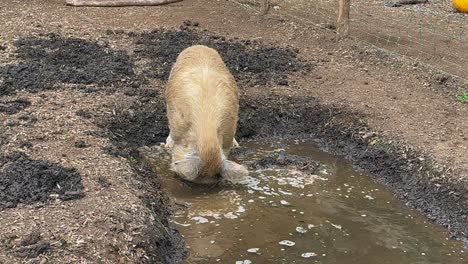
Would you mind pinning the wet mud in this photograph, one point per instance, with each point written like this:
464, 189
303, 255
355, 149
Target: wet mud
25, 180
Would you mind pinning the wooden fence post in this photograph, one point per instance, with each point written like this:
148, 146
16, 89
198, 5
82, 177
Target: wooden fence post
111, 3
342, 27
264, 6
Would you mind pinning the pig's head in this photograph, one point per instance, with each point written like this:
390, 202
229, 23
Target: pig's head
190, 168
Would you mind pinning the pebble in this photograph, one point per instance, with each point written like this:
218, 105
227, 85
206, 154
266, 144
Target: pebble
200, 219
288, 243
301, 230
230, 215
308, 255
253, 250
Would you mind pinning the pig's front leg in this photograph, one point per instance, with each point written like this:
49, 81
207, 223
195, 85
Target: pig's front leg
169, 142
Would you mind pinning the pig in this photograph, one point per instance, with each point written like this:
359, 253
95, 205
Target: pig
202, 102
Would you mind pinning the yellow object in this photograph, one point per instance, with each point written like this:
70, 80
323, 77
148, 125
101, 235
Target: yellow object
461, 5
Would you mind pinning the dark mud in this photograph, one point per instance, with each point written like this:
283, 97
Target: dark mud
251, 62
140, 124
128, 130
24, 180
47, 62
161, 241
11, 107
50, 61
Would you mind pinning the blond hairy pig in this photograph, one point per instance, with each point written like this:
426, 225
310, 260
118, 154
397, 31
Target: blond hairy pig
202, 107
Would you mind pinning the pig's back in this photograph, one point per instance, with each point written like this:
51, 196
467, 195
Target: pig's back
202, 95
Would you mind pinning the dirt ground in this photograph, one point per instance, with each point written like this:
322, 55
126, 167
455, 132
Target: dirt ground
81, 91
431, 31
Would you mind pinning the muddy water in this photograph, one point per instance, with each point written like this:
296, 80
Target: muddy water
285, 215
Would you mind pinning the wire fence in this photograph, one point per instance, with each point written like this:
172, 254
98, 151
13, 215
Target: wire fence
431, 33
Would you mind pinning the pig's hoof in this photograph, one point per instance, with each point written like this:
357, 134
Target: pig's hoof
168, 146
235, 144
169, 143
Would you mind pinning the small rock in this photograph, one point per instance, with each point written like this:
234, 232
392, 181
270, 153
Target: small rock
70, 195
81, 144
301, 230
253, 250
308, 255
200, 219
287, 243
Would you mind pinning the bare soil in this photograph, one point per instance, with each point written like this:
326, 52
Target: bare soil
81, 91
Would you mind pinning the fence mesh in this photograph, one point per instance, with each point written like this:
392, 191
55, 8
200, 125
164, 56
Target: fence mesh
431, 33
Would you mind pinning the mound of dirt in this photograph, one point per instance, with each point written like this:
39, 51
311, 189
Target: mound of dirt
249, 61
49, 61
24, 180
14, 106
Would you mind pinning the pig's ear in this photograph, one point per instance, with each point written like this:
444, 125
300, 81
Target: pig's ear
187, 168
233, 171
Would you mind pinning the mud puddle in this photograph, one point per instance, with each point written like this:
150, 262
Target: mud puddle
300, 205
